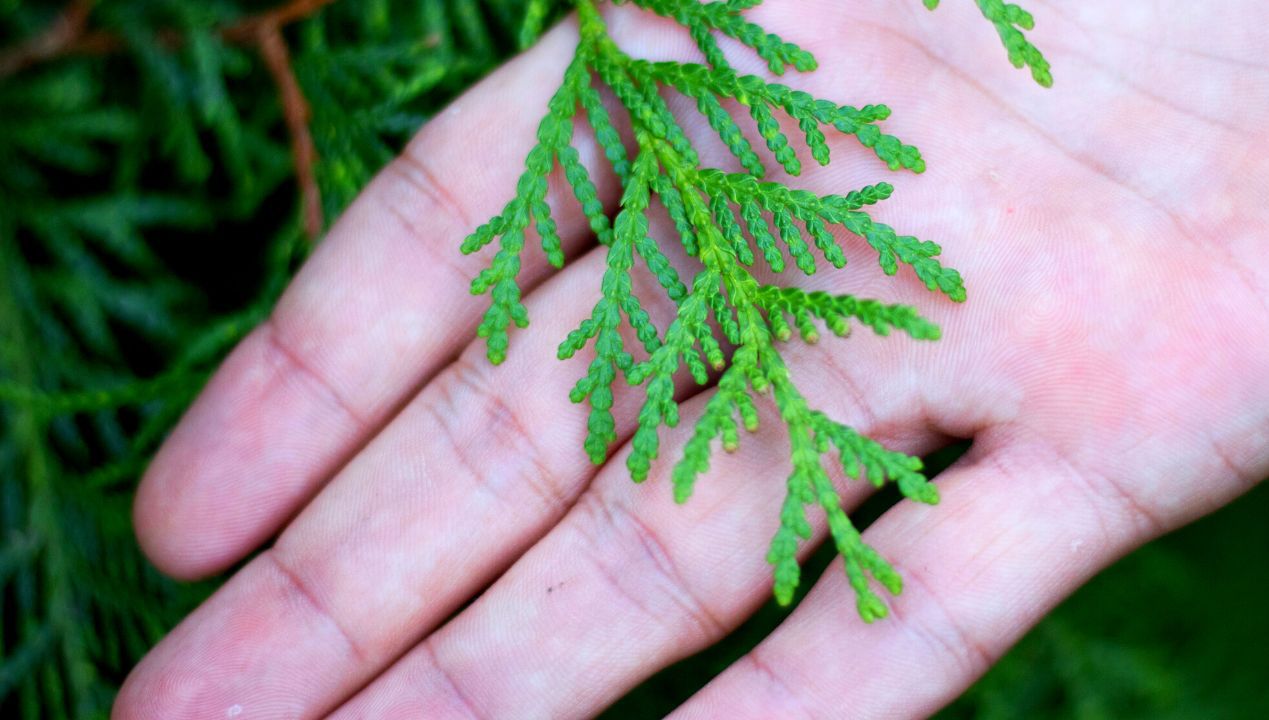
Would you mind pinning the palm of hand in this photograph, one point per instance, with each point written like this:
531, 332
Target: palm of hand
1107, 365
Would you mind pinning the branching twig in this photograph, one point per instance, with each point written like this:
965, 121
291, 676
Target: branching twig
62, 33
244, 32
278, 17
66, 36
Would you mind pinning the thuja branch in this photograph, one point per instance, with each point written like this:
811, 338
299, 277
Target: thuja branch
37, 466
728, 221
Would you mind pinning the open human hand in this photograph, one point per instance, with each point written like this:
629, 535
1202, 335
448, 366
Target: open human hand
1110, 366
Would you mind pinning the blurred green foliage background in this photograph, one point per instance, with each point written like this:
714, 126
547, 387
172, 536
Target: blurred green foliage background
163, 165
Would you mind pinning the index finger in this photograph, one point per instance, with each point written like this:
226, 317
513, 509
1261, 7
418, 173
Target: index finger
380, 306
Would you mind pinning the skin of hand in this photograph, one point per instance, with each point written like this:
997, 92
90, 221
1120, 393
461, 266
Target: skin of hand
1111, 366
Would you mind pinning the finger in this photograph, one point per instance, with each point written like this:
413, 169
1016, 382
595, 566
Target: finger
458, 484
1017, 531
379, 308
629, 581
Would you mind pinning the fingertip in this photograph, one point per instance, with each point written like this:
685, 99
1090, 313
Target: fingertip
253, 448
138, 699
173, 544
161, 688
257, 648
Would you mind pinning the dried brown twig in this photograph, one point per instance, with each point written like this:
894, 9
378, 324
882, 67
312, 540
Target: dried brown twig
295, 110
65, 30
243, 32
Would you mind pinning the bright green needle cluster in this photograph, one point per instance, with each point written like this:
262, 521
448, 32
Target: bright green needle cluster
733, 223
1010, 20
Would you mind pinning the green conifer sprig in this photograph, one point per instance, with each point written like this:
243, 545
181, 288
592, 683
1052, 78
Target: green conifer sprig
728, 221
1010, 20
